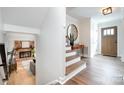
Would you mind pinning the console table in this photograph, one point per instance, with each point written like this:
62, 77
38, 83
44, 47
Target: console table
79, 48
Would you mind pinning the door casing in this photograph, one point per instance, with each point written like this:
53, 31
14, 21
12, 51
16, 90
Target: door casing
109, 42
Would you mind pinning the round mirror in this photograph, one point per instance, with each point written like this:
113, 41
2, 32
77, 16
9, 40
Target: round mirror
72, 32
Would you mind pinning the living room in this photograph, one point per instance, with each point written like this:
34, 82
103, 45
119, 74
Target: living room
20, 50
21, 47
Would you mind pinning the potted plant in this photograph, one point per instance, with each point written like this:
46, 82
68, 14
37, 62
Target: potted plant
33, 52
71, 40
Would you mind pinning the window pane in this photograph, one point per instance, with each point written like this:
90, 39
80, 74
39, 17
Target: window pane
105, 33
112, 31
108, 31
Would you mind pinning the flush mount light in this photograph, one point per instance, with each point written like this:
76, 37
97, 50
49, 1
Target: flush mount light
107, 11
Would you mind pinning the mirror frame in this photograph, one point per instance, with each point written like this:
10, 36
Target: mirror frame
76, 31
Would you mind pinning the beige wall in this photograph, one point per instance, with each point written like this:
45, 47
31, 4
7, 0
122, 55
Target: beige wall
10, 38
84, 37
83, 26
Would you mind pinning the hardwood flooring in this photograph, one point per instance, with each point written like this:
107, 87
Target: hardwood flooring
21, 77
101, 70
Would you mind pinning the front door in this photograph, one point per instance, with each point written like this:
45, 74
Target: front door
109, 41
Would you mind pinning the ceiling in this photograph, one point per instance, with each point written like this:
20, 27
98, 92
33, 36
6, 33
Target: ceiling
34, 16
95, 13
24, 16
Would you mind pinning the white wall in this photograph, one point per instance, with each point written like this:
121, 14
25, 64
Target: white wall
71, 20
120, 36
1, 27
122, 42
51, 47
84, 31
1, 41
22, 29
93, 38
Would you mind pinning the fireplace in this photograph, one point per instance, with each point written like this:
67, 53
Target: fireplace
24, 54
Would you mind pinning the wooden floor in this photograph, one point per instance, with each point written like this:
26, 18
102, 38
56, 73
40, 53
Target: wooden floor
21, 77
101, 70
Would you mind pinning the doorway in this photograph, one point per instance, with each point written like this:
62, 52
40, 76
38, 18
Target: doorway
109, 41
21, 58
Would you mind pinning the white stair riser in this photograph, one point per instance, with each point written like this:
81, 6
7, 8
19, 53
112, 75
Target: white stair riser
66, 44
72, 74
78, 59
122, 59
68, 48
70, 54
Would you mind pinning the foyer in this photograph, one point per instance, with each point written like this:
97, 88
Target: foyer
73, 45
101, 70
102, 40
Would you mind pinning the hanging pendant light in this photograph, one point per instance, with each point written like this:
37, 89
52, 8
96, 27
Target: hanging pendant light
107, 11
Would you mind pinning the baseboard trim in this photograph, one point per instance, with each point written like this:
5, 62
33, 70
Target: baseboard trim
63, 80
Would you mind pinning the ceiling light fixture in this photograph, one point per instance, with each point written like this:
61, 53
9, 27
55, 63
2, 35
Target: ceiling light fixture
107, 11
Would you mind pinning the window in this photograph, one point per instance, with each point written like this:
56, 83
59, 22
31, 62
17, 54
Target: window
105, 32
112, 31
109, 31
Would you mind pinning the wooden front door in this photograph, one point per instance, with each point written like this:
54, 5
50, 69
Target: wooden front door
109, 41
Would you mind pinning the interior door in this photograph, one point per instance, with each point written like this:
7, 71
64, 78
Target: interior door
109, 41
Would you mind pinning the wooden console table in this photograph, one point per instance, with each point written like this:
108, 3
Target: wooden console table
78, 46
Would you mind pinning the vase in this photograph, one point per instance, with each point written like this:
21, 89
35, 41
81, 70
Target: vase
72, 44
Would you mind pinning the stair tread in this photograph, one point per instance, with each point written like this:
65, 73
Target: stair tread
72, 57
73, 67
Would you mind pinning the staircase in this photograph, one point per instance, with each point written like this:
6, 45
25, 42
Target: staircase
3, 62
74, 64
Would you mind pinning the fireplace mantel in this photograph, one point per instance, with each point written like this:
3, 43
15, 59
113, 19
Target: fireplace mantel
23, 52
20, 44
